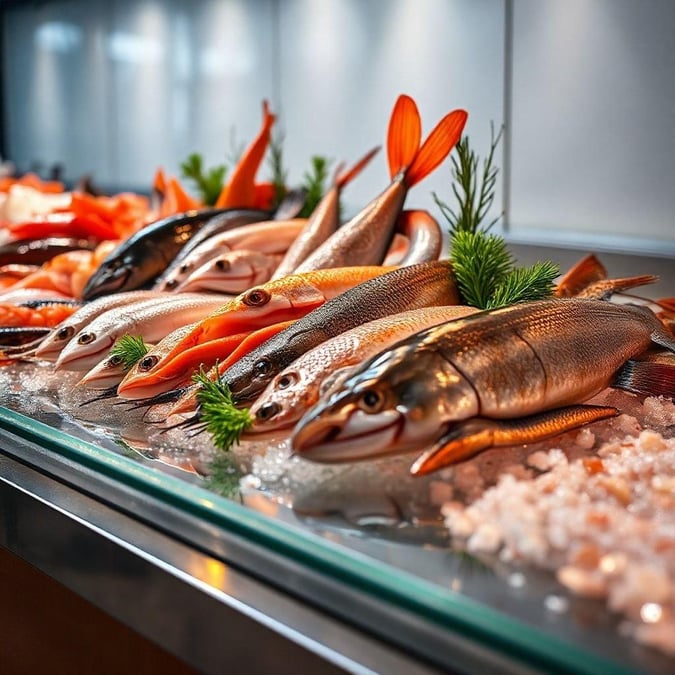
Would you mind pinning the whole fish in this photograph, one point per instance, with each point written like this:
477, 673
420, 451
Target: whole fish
232, 272
269, 236
139, 259
151, 319
324, 221
59, 337
261, 306
502, 377
365, 239
230, 220
424, 285
296, 388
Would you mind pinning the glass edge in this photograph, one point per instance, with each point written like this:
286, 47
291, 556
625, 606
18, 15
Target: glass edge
443, 607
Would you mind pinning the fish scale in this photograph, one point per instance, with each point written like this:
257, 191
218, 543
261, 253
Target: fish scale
423, 285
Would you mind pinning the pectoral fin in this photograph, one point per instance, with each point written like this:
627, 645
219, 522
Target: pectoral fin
651, 374
475, 435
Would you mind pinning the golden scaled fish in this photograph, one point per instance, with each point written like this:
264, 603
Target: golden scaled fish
296, 388
498, 378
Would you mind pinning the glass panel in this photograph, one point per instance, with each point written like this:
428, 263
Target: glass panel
368, 524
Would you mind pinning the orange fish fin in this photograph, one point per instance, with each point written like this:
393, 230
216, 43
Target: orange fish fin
239, 191
184, 202
603, 290
265, 194
437, 147
468, 438
159, 181
344, 177
587, 271
404, 134
666, 303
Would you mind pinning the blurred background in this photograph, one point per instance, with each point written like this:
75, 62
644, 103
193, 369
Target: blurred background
585, 90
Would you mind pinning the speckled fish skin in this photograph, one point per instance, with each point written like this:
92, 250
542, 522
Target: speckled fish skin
424, 285
151, 319
60, 336
295, 389
501, 364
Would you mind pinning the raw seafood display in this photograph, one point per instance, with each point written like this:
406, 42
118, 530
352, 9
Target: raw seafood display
239, 322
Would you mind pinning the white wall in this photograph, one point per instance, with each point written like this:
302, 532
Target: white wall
119, 87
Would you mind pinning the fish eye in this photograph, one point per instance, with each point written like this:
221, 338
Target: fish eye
115, 360
184, 268
223, 265
256, 297
268, 410
147, 362
65, 333
85, 338
263, 367
171, 283
286, 380
371, 401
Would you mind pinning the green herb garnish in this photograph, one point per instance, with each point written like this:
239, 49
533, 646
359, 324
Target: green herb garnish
130, 350
484, 269
475, 195
223, 421
209, 182
314, 182
279, 172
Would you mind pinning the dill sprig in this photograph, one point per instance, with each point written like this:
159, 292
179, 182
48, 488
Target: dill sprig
525, 284
129, 349
474, 194
209, 182
279, 171
223, 421
485, 271
314, 182
224, 475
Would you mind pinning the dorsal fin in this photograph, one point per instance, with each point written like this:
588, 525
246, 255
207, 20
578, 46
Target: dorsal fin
404, 134
587, 271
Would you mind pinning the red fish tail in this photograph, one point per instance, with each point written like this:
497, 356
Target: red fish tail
587, 271
240, 190
437, 147
404, 135
343, 177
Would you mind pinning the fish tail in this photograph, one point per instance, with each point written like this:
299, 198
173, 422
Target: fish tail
404, 135
647, 378
587, 271
239, 191
343, 177
666, 303
603, 290
437, 147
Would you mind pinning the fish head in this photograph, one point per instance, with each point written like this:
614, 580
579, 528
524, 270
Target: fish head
55, 342
105, 374
398, 401
84, 350
113, 275
283, 402
231, 272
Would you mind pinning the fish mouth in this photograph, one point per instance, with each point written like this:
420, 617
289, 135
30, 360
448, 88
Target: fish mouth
358, 437
83, 361
108, 281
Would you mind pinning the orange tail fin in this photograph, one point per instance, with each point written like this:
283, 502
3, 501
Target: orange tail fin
343, 177
404, 134
587, 271
437, 146
240, 191
667, 303
159, 182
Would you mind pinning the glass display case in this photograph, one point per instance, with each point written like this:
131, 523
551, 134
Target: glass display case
389, 590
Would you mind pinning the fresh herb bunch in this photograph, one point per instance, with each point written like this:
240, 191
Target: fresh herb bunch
129, 349
209, 182
485, 272
279, 171
223, 421
314, 182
